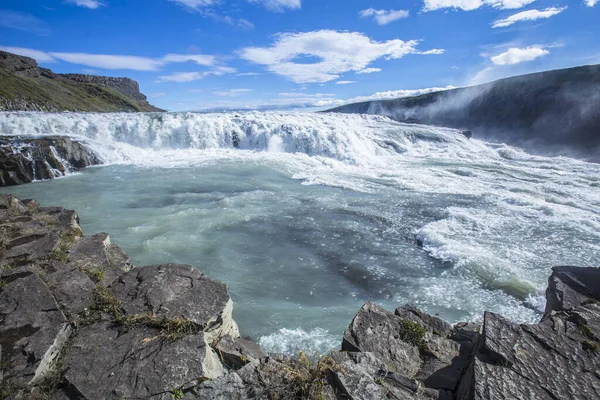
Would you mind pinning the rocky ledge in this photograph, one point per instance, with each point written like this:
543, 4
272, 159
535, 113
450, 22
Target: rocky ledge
78, 321
25, 159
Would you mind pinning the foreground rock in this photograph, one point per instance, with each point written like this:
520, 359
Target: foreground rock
25, 159
77, 321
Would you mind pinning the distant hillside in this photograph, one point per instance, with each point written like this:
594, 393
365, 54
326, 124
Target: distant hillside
24, 86
552, 112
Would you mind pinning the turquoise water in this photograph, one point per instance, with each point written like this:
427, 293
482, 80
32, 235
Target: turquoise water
309, 216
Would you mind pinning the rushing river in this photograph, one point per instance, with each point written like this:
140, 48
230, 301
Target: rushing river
307, 216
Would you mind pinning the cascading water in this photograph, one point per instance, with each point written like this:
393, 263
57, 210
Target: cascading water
307, 216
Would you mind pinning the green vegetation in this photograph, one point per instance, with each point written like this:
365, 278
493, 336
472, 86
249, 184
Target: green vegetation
413, 333
59, 255
591, 346
587, 332
306, 378
173, 329
60, 94
95, 274
67, 239
177, 394
104, 302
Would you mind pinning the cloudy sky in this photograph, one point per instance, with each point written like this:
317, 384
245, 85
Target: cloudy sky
268, 54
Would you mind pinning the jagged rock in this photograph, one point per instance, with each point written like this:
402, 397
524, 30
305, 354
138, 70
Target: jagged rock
237, 352
420, 349
178, 291
33, 330
358, 377
227, 387
23, 160
97, 253
50, 275
569, 287
105, 361
376, 330
555, 359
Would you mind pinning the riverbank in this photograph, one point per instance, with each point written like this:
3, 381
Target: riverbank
78, 320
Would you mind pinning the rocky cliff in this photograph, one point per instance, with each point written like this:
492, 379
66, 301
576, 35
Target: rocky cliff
552, 112
25, 159
24, 86
78, 321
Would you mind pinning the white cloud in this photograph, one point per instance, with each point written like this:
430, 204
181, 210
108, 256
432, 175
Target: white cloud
93, 4
368, 70
158, 94
337, 53
22, 21
306, 95
395, 94
195, 4
530, 15
344, 82
107, 61
384, 17
515, 55
291, 101
232, 92
181, 77
591, 3
470, 5
245, 25
39, 56
432, 51
249, 74
278, 5
271, 5
201, 59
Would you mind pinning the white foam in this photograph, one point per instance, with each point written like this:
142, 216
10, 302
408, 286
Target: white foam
293, 341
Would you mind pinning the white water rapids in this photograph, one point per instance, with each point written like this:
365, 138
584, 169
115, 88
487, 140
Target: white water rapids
307, 216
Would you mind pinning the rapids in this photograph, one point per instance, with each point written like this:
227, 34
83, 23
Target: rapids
307, 216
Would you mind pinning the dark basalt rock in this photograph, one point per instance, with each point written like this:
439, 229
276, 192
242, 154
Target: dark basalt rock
25, 159
77, 321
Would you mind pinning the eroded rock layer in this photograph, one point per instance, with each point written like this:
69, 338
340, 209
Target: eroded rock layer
25, 159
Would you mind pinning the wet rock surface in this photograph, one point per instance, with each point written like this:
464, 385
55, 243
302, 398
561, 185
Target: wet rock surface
78, 321
25, 159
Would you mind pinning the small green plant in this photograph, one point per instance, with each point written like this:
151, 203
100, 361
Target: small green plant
307, 379
95, 274
243, 358
413, 333
589, 301
105, 302
379, 381
59, 255
201, 380
177, 394
587, 332
172, 328
6, 268
590, 345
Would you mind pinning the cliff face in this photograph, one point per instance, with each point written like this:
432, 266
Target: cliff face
24, 86
552, 112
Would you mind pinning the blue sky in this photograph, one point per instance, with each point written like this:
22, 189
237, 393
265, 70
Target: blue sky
213, 54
